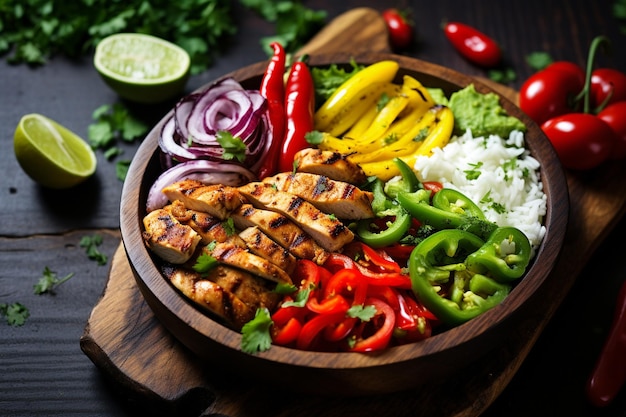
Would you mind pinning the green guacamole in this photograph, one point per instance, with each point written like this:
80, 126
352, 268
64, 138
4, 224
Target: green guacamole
481, 113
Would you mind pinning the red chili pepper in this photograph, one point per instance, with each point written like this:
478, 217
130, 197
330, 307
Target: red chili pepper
299, 110
273, 89
609, 373
474, 45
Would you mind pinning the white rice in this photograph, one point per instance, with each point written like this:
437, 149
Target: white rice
507, 188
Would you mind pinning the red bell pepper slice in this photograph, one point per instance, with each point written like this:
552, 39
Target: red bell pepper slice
382, 332
337, 261
399, 252
313, 327
286, 334
380, 259
307, 274
333, 304
350, 282
282, 315
341, 330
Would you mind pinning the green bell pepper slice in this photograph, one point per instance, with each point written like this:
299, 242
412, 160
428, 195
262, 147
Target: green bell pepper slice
395, 230
408, 181
504, 256
450, 209
453, 201
442, 282
384, 206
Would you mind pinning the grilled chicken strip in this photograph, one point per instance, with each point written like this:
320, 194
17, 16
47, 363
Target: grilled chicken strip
210, 229
234, 255
331, 164
168, 238
211, 296
327, 230
344, 200
217, 200
261, 244
282, 231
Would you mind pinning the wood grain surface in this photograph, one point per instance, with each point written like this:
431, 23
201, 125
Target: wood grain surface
129, 345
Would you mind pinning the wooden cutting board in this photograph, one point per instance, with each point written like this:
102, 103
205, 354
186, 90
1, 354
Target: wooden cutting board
128, 344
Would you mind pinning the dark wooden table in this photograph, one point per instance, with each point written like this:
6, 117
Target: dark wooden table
42, 368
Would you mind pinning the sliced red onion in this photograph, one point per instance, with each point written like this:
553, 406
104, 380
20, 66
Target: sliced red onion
170, 143
189, 110
188, 142
208, 172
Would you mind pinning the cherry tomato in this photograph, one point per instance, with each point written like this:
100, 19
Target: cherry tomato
581, 140
570, 67
615, 116
605, 81
473, 45
400, 28
549, 93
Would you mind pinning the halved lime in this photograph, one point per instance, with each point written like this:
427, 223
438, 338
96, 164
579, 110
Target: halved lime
51, 154
142, 68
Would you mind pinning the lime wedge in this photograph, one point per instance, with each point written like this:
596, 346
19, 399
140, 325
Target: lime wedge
50, 154
142, 68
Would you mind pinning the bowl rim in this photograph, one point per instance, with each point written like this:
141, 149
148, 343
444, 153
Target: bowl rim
552, 176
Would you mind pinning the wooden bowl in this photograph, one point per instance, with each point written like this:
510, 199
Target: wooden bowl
395, 369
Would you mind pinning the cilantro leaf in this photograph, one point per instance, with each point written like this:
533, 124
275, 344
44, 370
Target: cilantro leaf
300, 299
314, 138
91, 243
256, 335
474, 173
205, 263
285, 288
294, 22
229, 226
112, 123
15, 313
538, 60
234, 148
35, 30
49, 281
361, 312
121, 169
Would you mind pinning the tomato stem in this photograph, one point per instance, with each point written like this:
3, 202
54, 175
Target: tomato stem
586, 91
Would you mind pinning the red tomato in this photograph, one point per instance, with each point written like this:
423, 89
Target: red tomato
615, 116
399, 27
570, 67
474, 45
581, 140
605, 81
549, 93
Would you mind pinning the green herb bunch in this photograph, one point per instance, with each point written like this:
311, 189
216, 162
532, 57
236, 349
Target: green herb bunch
32, 31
